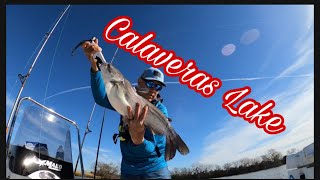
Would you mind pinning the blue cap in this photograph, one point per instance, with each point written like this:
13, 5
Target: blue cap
153, 74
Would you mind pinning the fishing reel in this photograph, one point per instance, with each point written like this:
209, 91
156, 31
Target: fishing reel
98, 55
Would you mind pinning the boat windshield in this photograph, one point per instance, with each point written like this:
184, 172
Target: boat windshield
43, 132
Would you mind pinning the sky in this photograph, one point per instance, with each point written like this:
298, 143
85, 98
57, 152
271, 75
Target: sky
267, 47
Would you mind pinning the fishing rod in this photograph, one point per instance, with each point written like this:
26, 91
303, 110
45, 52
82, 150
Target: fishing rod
84, 136
100, 59
95, 167
24, 79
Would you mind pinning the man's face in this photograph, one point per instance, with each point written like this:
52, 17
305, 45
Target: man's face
152, 94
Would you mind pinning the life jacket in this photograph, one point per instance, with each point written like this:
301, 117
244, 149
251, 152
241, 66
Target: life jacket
124, 134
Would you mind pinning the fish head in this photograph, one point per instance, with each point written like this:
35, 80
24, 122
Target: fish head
113, 78
111, 73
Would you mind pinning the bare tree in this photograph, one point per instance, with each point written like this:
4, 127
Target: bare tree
175, 171
291, 151
185, 171
227, 166
254, 161
265, 158
236, 164
107, 170
217, 167
274, 155
245, 162
195, 168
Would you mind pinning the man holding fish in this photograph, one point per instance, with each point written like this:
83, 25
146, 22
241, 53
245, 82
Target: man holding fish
147, 140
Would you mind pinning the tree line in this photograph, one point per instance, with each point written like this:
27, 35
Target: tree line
270, 159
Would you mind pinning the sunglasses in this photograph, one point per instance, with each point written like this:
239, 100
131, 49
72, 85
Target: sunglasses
151, 84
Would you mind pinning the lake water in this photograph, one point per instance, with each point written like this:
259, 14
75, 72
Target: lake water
273, 173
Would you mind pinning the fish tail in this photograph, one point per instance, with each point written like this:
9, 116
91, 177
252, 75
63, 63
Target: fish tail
170, 149
180, 145
173, 143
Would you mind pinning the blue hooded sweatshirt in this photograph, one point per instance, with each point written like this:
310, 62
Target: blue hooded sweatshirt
136, 159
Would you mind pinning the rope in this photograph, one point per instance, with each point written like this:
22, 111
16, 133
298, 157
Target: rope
55, 51
114, 55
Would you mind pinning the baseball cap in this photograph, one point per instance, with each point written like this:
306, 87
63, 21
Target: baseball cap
153, 74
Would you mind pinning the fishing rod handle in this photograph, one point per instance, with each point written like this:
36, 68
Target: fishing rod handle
99, 55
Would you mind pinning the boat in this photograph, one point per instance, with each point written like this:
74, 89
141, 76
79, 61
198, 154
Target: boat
300, 165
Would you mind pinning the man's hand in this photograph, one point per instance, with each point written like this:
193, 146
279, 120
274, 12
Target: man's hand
135, 123
89, 50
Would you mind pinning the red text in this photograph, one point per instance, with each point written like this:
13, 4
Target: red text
252, 111
153, 54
